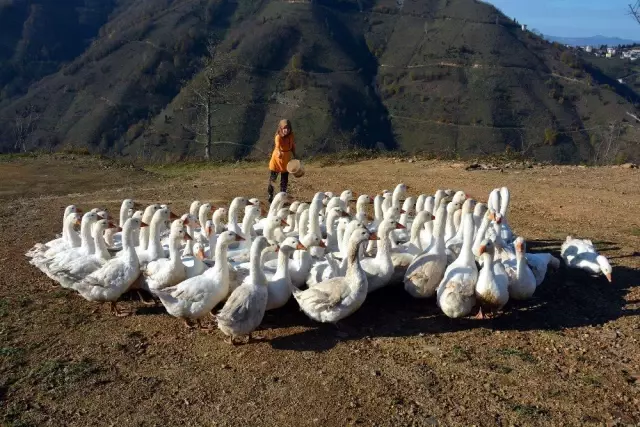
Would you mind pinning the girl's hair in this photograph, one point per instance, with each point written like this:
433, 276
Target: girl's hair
282, 124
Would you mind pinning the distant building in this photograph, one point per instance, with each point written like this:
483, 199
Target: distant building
611, 51
588, 49
524, 27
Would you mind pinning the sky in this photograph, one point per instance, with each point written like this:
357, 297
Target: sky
574, 18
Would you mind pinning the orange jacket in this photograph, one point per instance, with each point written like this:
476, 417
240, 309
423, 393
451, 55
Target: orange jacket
282, 153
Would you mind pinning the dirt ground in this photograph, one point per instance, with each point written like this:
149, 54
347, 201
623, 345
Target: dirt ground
569, 356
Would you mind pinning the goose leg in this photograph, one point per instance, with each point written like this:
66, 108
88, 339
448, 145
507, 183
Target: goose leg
145, 302
204, 328
187, 324
480, 315
115, 310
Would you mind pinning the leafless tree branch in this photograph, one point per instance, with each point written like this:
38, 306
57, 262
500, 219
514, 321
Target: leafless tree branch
634, 10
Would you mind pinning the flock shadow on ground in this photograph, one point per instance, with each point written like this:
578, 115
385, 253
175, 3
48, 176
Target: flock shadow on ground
566, 299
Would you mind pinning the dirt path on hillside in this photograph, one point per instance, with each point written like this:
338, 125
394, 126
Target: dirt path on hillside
567, 357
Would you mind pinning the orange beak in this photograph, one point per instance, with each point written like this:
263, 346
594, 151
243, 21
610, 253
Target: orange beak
187, 237
249, 203
322, 244
402, 211
482, 249
143, 224
370, 218
284, 223
200, 253
354, 194
301, 246
239, 238
370, 199
609, 278
277, 249
345, 214
263, 211
119, 229
212, 209
373, 236
78, 210
173, 216
112, 225
400, 227
78, 221
433, 217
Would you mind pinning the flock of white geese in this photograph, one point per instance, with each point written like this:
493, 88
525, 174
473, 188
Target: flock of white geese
324, 253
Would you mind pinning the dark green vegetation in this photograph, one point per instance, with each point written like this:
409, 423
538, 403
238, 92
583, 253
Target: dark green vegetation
451, 77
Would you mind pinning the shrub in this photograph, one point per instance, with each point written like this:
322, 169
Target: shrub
550, 136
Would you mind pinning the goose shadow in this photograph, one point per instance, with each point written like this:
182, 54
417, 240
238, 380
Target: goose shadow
568, 298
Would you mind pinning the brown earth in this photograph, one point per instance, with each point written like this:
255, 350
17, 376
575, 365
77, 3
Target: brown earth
567, 357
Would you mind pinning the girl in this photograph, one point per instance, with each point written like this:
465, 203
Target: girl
284, 150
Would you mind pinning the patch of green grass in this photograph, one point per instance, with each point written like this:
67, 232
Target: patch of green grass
11, 352
530, 411
56, 373
459, 354
635, 231
592, 380
524, 355
4, 307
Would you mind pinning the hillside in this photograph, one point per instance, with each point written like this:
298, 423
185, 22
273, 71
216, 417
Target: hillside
595, 41
451, 77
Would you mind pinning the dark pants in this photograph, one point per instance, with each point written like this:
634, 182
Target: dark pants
284, 180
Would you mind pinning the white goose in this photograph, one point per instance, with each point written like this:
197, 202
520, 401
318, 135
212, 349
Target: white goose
69, 239
522, 282
163, 273
455, 243
41, 253
505, 231
426, 271
67, 274
244, 310
194, 298
337, 298
403, 255
280, 285
492, 289
456, 292
116, 276
582, 254
380, 269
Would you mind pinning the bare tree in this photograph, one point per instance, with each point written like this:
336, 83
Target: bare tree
634, 10
606, 144
25, 123
207, 94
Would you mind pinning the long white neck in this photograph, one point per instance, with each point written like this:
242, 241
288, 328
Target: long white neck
233, 215
283, 265
128, 248
438, 231
314, 218
332, 218
486, 274
255, 269
188, 247
124, 214
202, 217
450, 228
247, 224
222, 265
155, 245
416, 228
65, 220
482, 231
72, 238
355, 276
304, 223
385, 243
377, 209
466, 251
86, 244
505, 198
100, 246
275, 205
174, 252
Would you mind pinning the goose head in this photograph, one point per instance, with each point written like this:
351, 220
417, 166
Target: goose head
195, 205
219, 215
187, 220
228, 237
290, 245
459, 196
605, 266
393, 212
310, 241
198, 251
138, 215
293, 208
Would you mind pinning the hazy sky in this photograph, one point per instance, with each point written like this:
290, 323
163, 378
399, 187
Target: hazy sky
579, 18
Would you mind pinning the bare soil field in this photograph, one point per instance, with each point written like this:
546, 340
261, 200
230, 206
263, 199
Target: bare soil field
569, 356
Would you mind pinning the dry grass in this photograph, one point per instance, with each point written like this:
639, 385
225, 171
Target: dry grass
567, 357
